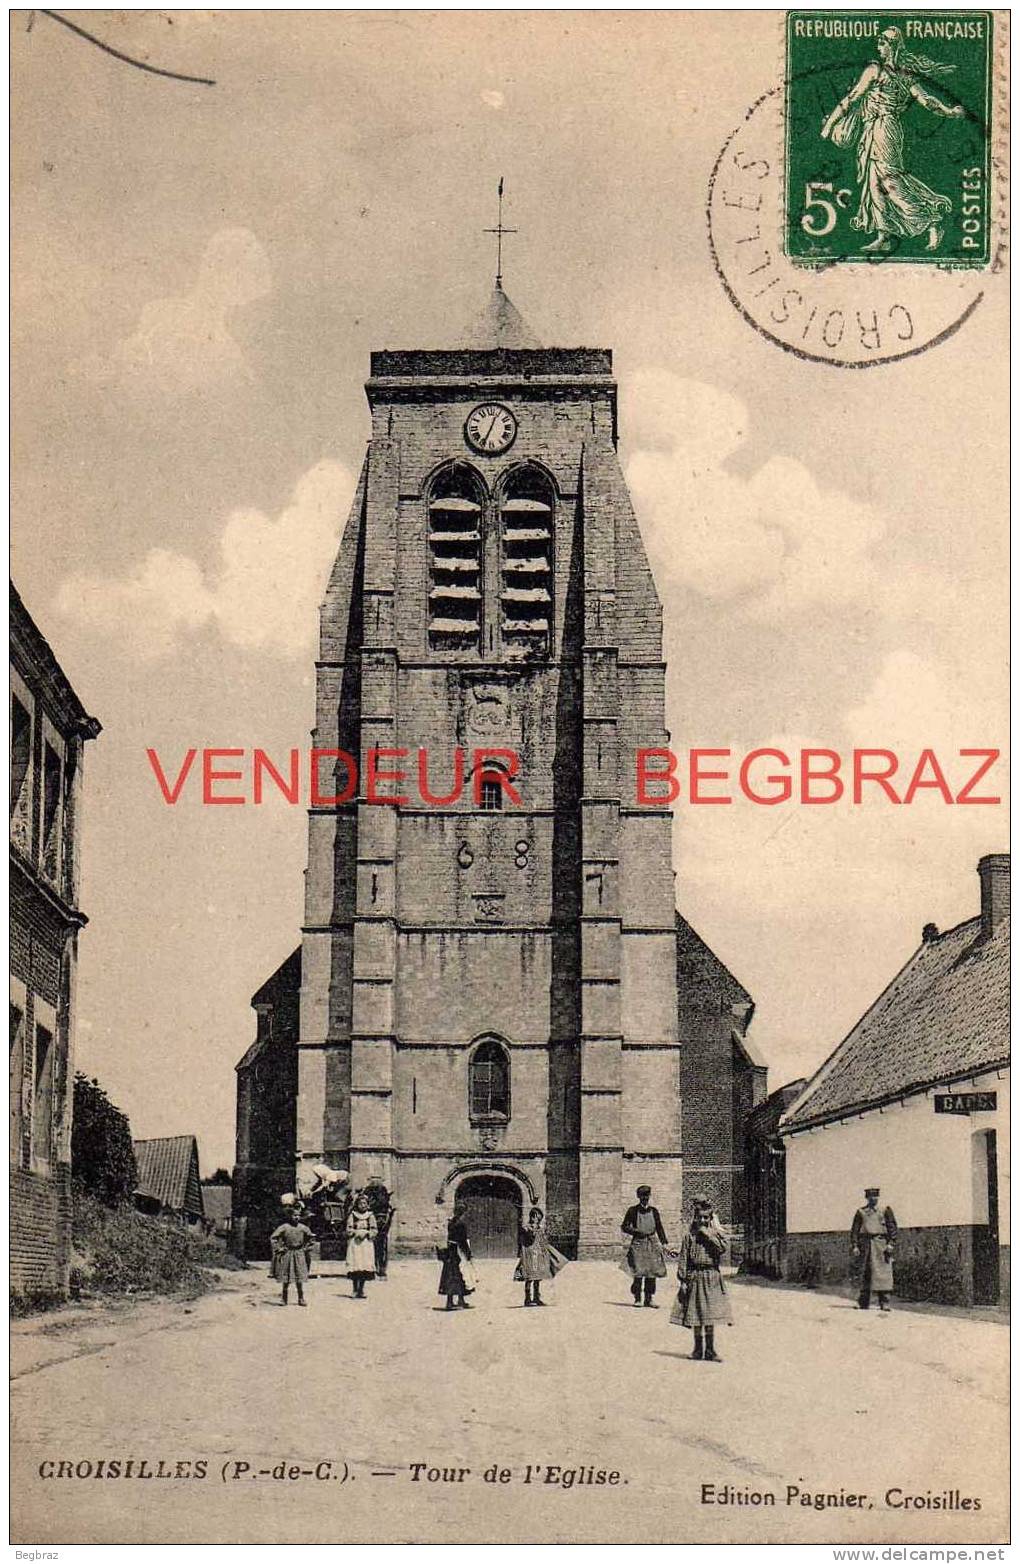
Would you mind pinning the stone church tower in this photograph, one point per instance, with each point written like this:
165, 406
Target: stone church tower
488, 988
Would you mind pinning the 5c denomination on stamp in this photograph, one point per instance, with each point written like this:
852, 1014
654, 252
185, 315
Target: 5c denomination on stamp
888, 136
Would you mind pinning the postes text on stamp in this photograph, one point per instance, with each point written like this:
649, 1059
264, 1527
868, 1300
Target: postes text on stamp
888, 136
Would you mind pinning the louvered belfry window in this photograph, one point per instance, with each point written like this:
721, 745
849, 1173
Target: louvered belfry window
455, 562
526, 564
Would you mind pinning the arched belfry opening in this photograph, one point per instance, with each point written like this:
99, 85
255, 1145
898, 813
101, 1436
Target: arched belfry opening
456, 522
527, 531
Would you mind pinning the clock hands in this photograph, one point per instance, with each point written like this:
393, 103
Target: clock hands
490, 428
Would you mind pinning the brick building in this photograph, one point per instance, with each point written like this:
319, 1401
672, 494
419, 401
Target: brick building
49, 728
267, 1084
765, 1183
722, 1078
486, 997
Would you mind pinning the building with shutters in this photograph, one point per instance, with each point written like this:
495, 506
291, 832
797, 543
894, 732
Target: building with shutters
49, 728
485, 1002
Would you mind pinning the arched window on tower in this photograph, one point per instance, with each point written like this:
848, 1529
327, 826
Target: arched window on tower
455, 561
526, 559
489, 1084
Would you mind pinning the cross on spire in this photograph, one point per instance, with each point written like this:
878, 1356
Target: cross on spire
499, 231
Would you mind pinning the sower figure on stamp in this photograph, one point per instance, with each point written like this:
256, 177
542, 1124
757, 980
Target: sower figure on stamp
872, 1239
644, 1260
892, 201
291, 1242
383, 1209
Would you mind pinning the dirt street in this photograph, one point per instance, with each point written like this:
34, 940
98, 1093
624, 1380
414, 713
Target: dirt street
290, 1414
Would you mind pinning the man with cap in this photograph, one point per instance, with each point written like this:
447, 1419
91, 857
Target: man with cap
644, 1259
872, 1238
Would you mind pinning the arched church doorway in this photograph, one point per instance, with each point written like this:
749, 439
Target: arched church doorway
492, 1214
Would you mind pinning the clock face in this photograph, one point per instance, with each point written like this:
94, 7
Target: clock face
491, 428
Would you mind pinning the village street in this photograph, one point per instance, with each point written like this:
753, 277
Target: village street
813, 1395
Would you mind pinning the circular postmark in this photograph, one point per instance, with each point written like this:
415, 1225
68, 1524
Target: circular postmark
850, 313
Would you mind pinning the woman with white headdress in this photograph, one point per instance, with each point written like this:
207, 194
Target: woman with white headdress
893, 203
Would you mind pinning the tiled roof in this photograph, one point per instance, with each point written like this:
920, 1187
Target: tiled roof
251, 1053
943, 1018
764, 1118
168, 1172
699, 965
30, 647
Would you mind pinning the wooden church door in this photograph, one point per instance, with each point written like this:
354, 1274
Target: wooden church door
492, 1215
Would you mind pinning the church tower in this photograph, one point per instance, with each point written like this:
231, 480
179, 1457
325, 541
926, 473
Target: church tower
488, 996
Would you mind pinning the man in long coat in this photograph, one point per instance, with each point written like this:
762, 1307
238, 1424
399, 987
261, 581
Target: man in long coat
872, 1240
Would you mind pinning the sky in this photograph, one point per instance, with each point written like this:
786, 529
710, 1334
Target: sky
200, 275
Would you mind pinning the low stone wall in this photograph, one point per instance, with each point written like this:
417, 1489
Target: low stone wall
764, 1257
932, 1264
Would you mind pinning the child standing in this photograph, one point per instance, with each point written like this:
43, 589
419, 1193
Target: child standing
455, 1254
361, 1234
538, 1261
702, 1301
291, 1242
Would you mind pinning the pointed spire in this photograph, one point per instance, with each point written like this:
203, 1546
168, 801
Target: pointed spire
500, 325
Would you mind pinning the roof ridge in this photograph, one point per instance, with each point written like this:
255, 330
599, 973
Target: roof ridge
940, 1016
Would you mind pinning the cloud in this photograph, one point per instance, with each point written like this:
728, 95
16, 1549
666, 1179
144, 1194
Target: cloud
775, 541
819, 866
263, 593
837, 895
184, 342
492, 98
916, 701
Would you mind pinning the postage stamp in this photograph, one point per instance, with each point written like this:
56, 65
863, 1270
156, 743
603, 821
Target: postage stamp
888, 153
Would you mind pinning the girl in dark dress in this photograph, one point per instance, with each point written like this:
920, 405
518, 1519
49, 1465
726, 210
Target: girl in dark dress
290, 1244
457, 1249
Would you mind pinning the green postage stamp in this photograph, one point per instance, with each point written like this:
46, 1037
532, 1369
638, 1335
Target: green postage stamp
888, 136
